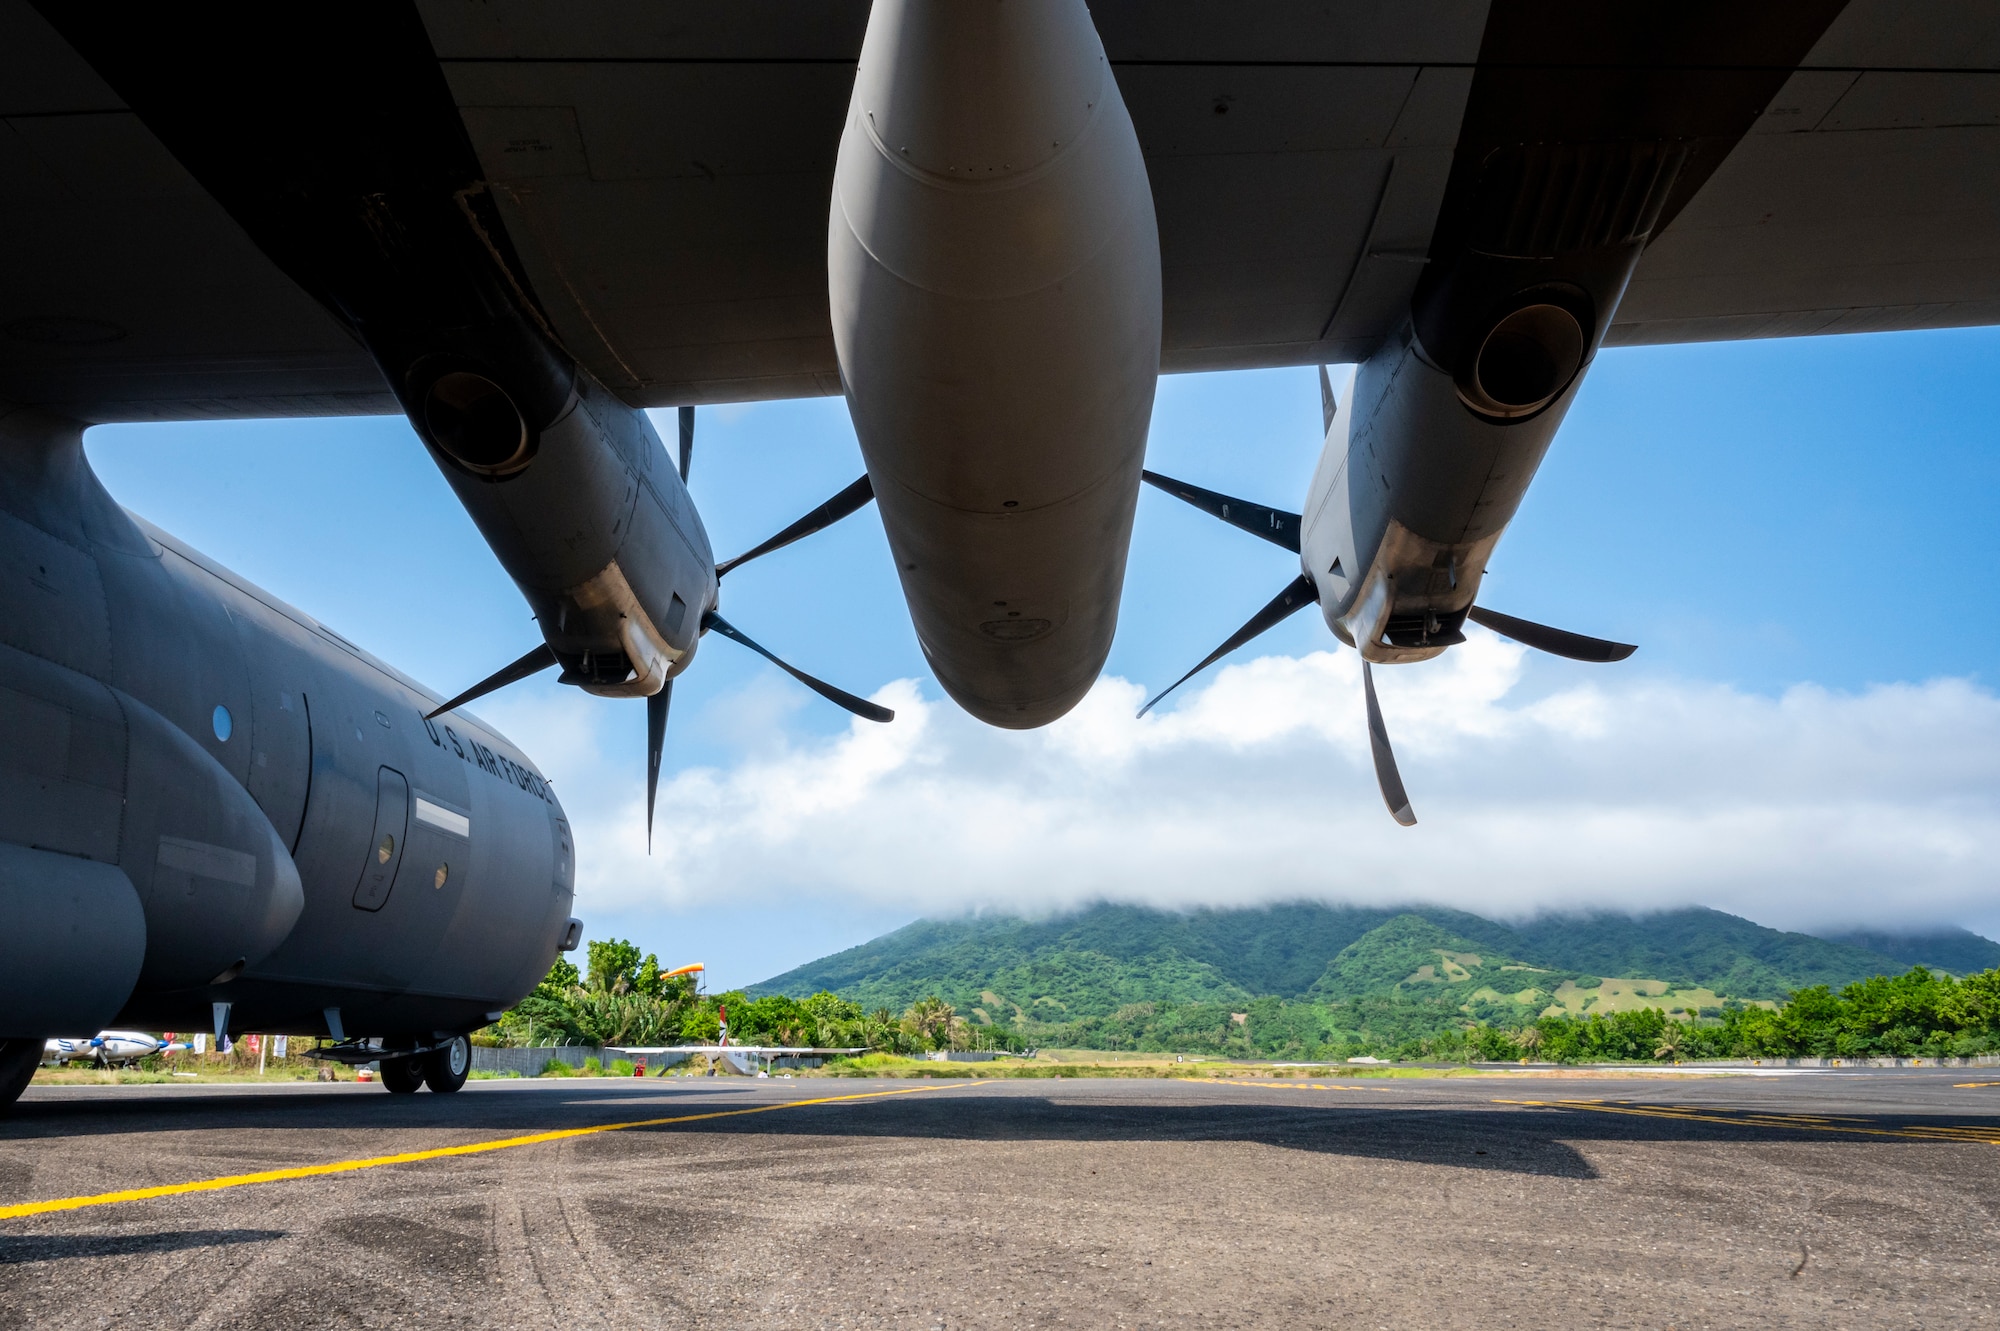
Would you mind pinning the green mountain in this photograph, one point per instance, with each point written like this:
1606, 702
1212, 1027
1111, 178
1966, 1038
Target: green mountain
1042, 971
1695, 946
1105, 959
1408, 957
1960, 951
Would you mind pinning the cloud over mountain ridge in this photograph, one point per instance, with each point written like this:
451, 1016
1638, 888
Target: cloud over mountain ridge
1539, 788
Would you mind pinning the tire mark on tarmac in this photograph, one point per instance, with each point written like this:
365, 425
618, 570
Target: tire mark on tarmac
141, 1307
582, 1277
539, 1272
21, 1209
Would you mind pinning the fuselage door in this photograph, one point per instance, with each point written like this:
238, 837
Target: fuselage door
565, 880
385, 850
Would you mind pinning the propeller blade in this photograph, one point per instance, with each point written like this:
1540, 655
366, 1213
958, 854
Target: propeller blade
1556, 642
1327, 405
833, 510
1386, 774
532, 664
1299, 594
1273, 524
656, 742
861, 707
687, 441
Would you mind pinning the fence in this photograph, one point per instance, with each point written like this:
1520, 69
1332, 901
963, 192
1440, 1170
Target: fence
1972, 1061
530, 1062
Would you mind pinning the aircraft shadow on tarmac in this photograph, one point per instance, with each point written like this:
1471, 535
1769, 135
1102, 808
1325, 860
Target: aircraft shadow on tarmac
18, 1249
1500, 1138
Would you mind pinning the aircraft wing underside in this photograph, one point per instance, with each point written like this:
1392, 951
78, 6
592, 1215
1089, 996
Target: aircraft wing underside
663, 171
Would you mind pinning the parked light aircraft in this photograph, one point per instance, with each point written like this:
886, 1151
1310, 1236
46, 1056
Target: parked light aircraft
109, 1047
748, 1059
990, 225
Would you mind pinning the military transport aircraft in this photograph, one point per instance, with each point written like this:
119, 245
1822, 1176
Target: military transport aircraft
990, 225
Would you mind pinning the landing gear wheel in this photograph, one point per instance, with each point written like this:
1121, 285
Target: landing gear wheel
18, 1061
446, 1069
403, 1076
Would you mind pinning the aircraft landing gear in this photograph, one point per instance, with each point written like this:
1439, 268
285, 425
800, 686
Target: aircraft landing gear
403, 1076
446, 1067
18, 1061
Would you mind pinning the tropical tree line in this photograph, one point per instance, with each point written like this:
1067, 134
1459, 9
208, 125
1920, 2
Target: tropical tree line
622, 999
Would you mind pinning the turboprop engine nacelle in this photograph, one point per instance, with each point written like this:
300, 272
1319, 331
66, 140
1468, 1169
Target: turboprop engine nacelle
1429, 455
994, 272
1410, 496
576, 495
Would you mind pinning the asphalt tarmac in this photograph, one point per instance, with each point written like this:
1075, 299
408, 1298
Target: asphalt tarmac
1841, 1199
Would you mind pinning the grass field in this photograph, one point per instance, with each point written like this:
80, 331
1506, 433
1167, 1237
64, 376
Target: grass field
287, 1071
1610, 996
1047, 1063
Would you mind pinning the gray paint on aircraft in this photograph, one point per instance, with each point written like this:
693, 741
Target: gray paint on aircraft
114, 760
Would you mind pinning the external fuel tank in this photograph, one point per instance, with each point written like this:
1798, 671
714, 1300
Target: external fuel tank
994, 271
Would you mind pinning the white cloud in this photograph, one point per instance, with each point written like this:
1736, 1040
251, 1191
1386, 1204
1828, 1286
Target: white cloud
1617, 789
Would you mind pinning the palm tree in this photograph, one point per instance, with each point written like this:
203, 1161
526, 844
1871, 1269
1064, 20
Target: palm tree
1672, 1040
930, 1018
1529, 1038
879, 1030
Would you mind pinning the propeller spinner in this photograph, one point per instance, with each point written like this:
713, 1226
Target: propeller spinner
1283, 529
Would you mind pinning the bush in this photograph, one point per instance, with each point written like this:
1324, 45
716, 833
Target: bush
622, 1067
592, 1068
555, 1067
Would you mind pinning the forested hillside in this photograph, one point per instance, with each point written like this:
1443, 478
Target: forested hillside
1414, 985
1093, 963
1960, 951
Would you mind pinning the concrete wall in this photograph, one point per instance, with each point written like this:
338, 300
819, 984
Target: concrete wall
1976, 1061
529, 1062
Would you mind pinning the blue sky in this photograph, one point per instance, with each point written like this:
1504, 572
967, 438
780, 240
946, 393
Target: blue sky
1794, 531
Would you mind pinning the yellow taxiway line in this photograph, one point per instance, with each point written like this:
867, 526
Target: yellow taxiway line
1286, 1085
20, 1209
1989, 1136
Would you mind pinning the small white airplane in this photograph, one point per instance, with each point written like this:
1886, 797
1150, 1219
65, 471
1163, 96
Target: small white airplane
750, 1060
109, 1047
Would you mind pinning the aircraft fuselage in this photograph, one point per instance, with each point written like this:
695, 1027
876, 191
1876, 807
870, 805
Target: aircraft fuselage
211, 798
